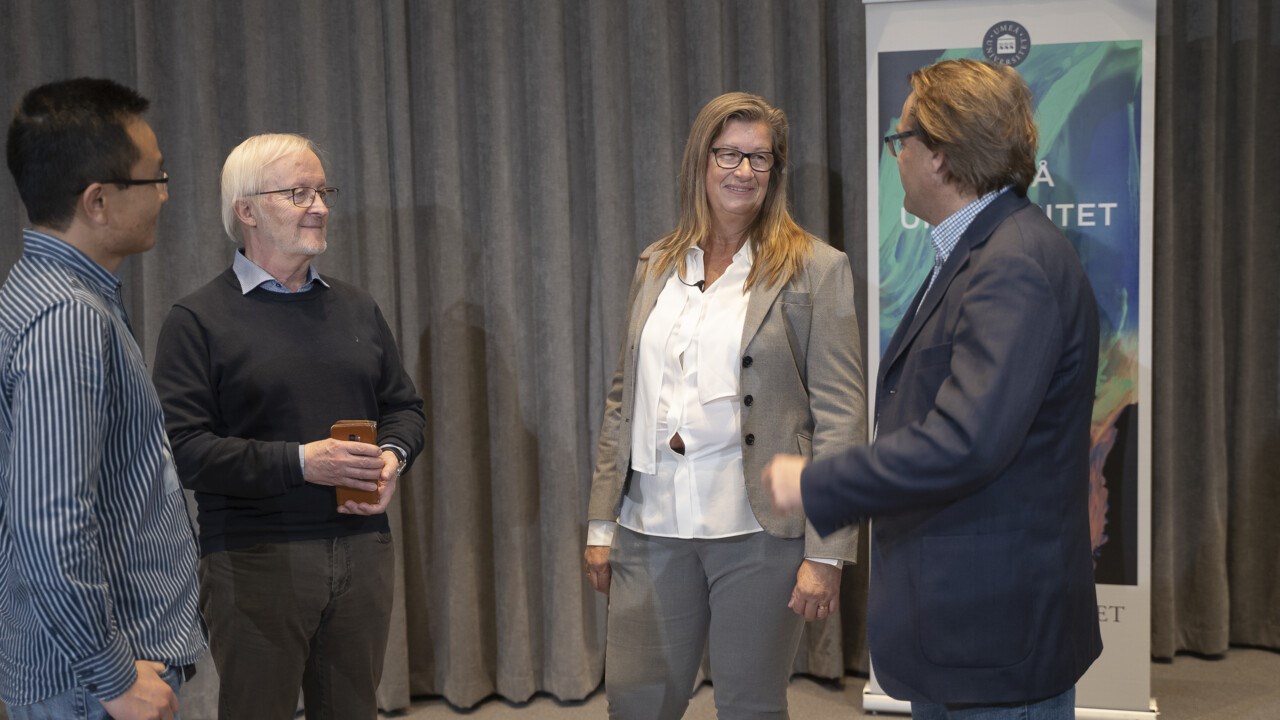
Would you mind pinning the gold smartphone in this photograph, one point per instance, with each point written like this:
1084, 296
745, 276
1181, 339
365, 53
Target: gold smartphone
365, 431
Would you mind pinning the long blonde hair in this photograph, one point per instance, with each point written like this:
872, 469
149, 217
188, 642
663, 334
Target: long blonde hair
778, 243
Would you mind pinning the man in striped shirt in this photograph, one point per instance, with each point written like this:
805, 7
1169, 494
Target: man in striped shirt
98, 598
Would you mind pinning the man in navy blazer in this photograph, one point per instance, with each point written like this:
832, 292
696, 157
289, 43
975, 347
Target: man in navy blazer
982, 597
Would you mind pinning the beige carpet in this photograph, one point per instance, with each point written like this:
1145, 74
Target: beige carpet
1242, 685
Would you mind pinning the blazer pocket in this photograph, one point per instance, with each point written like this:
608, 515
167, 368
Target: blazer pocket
794, 297
973, 608
933, 355
805, 445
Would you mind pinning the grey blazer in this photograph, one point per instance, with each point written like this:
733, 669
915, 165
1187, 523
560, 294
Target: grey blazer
801, 384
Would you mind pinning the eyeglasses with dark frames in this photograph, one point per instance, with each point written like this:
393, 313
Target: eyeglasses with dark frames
130, 182
305, 197
730, 159
894, 141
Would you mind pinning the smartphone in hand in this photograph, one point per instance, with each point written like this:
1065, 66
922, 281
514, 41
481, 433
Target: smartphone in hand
365, 431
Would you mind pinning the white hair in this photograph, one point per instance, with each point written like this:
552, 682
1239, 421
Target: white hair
243, 170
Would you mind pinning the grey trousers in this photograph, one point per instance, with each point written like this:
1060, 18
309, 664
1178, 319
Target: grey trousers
312, 615
668, 596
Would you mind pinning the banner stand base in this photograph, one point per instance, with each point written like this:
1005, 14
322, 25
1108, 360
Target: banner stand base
878, 702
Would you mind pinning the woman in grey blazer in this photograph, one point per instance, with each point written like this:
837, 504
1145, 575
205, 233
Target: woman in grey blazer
741, 342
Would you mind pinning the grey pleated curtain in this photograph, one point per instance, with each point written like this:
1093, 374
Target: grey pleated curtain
1216, 417
501, 163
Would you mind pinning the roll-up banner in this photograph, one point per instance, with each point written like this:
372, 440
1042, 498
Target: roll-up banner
1091, 68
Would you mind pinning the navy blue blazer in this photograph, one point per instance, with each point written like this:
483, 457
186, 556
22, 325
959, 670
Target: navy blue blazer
981, 571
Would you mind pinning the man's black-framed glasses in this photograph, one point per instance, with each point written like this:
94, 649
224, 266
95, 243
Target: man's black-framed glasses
130, 182
894, 141
305, 197
730, 159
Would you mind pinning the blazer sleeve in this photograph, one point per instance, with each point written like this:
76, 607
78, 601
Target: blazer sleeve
997, 369
837, 389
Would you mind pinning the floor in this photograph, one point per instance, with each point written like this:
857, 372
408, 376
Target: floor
1244, 684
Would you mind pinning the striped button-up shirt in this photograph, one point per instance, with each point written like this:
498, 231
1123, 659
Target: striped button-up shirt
97, 554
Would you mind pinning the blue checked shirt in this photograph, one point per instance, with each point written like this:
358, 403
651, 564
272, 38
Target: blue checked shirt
97, 554
946, 235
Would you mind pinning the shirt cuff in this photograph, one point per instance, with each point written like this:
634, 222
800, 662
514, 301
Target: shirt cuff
401, 452
600, 532
108, 673
828, 561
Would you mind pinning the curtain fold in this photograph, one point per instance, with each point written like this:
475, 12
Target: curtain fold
1216, 482
502, 163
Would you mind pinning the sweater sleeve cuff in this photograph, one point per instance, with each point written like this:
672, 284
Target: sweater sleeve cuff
108, 673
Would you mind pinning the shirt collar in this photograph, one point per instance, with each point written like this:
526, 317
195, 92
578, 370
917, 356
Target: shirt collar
252, 276
47, 247
745, 256
946, 234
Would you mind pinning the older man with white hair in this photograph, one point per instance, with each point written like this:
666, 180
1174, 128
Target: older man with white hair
253, 369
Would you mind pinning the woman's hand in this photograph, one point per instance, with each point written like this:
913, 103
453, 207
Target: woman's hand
598, 572
817, 592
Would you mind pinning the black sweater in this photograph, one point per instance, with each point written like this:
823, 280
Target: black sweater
246, 379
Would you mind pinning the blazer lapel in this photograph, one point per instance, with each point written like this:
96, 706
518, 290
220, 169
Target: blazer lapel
896, 340
757, 307
977, 233
648, 297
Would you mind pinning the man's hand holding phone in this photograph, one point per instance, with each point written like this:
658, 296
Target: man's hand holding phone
348, 460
